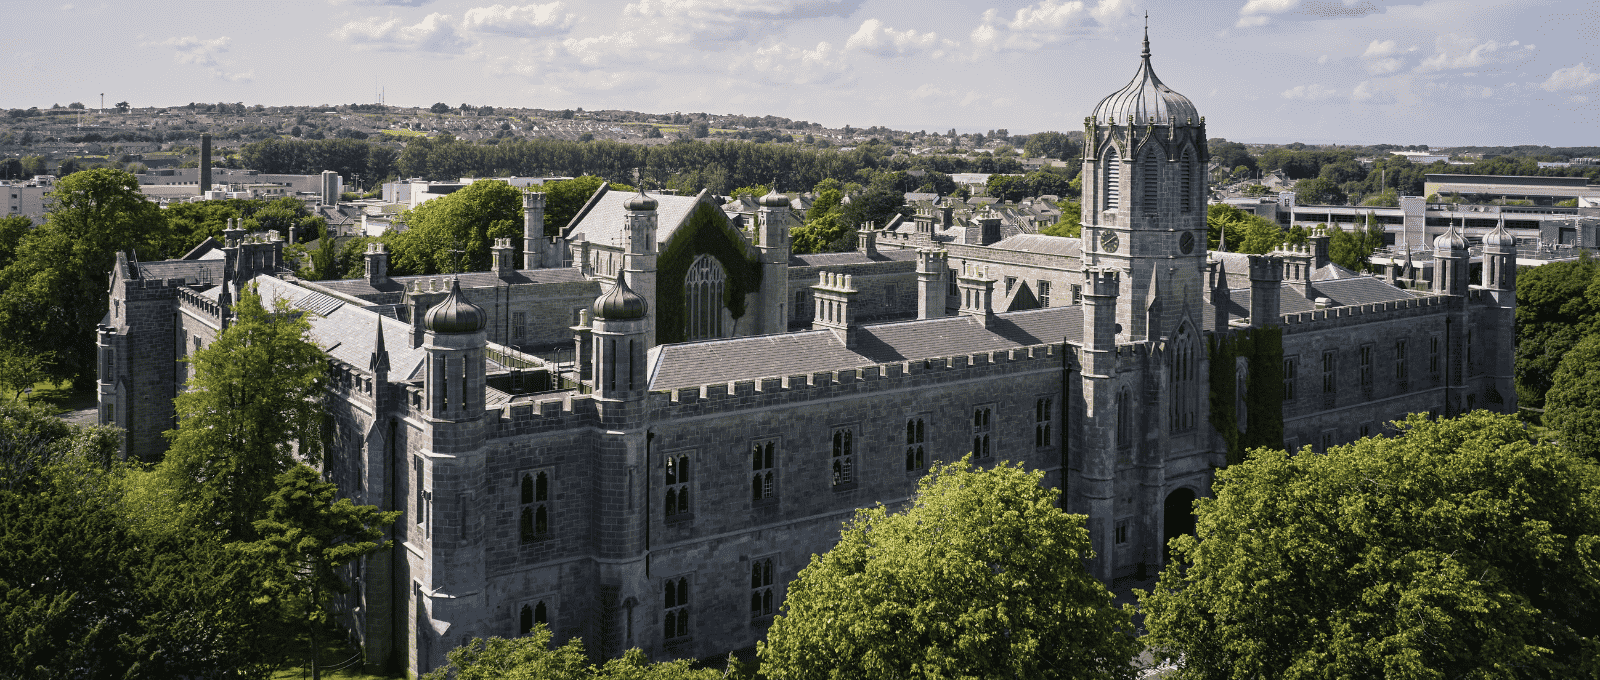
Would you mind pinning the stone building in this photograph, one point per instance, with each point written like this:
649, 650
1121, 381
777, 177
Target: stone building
645, 431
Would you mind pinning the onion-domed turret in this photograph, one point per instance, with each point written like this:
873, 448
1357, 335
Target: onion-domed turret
773, 199
1450, 240
641, 201
621, 304
1499, 237
455, 313
1145, 96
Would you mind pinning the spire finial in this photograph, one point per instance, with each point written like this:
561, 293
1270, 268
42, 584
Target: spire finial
1146, 53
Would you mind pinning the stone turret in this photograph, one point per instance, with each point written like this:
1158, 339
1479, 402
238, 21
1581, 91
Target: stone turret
1221, 295
1450, 261
455, 343
639, 246
621, 330
1266, 286
772, 247
533, 239
1500, 259
501, 255
977, 294
377, 257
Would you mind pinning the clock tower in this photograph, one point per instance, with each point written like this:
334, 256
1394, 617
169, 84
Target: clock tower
1144, 202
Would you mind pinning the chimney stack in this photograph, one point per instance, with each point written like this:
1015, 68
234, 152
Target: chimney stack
833, 294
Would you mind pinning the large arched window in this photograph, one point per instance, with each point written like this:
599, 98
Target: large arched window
1113, 177
1124, 419
1185, 374
1150, 180
702, 296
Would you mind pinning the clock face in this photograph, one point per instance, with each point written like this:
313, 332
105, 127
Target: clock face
1108, 241
1186, 243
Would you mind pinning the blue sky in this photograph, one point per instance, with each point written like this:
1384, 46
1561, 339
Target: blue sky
1439, 72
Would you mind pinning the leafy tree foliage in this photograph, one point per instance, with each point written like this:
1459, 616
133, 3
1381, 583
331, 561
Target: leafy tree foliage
1246, 232
1459, 548
530, 658
453, 233
12, 230
1318, 191
1557, 304
309, 157
253, 403
1231, 154
1353, 249
53, 293
306, 536
1050, 145
980, 576
1051, 181
1572, 406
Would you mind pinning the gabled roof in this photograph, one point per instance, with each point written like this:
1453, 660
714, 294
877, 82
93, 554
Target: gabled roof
1039, 243
601, 220
852, 257
770, 356
345, 331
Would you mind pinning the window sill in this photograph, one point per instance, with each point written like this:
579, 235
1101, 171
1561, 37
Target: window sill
680, 518
847, 486
764, 502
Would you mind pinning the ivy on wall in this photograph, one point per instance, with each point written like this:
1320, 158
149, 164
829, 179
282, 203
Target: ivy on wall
707, 233
1263, 349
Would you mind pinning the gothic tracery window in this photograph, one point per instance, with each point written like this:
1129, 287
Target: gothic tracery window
1184, 383
702, 297
1113, 177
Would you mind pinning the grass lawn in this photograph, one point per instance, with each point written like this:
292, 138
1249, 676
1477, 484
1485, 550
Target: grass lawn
405, 133
332, 655
59, 396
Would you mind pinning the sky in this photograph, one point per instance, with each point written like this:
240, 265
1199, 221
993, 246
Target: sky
1437, 72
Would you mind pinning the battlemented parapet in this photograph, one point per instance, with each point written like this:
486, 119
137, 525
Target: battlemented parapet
1334, 317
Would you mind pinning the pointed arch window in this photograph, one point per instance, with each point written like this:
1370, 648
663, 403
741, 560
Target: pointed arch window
1113, 177
1186, 182
677, 479
1124, 420
676, 622
531, 615
702, 297
1150, 181
916, 439
534, 519
1184, 382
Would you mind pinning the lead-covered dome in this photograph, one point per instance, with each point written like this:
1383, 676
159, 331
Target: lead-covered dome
455, 313
773, 199
1143, 97
641, 202
1499, 237
620, 304
1450, 240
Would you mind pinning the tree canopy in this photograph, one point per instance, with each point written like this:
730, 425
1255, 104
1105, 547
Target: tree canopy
1353, 249
1457, 548
1246, 232
531, 657
1572, 406
1557, 305
981, 575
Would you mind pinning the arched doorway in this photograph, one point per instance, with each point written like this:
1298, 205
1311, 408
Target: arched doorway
1178, 519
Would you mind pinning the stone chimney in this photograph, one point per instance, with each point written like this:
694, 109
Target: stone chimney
867, 240
977, 294
533, 239
205, 163
1266, 290
1297, 267
377, 256
932, 266
500, 253
833, 294
1318, 239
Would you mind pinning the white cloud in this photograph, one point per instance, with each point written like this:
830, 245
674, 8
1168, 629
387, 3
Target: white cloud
782, 64
203, 53
1458, 52
1381, 48
435, 33
1312, 92
521, 21
1047, 23
1322, 59
398, 3
875, 38
707, 23
1570, 78
1258, 12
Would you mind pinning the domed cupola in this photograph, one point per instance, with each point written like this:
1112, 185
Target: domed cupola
455, 313
1451, 240
641, 201
1143, 97
773, 199
620, 304
1499, 237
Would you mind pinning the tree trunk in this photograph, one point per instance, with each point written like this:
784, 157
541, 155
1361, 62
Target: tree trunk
315, 672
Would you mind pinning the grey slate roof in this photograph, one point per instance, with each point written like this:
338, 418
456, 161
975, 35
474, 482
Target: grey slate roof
770, 356
193, 272
346, 331
359, 287
602, 221
1359, 290
1039, 243
852, 257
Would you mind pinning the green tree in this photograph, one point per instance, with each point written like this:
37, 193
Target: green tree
980, 576
563, 199
254, 403
1050, 145
1070, 225
12, 230
1246, 232
306, 537
1572, 405
530, 657
1557, 304
1459, 548
1353, 249
54, 292
440, 107
21, 369
1319, 191
454, 233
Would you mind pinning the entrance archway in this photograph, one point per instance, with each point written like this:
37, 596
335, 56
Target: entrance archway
1177, 519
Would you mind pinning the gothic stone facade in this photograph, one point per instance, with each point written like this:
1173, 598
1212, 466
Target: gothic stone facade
661, 495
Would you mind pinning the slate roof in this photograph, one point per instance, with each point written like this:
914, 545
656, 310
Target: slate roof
601, 220
1039, 243
770, 356
1359, 290
193, 272
359, 287
852, 257
346, 331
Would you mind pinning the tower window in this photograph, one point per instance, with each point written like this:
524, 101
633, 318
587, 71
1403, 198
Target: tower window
531, 615
1184, 383
844, 457
982, 430
1185, 183
519, 325
1433, 356
1044, 293
916, 441
761, 596
1291, 367
762, 468
1151, 181
1365, 354
1124, 420
676, 621
1401, 371
677, 480
1113, 177
702, 295
1043, 412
